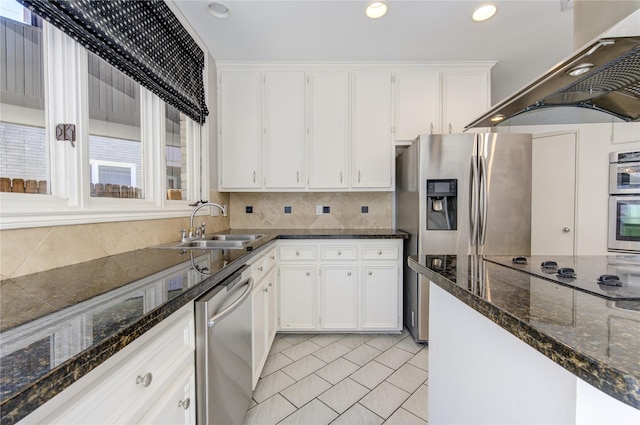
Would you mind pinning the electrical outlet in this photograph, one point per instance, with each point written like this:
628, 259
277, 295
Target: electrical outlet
318, 209
287, 210
248, 209
326, 210
364, 209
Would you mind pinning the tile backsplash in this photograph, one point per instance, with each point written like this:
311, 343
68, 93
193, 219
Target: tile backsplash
33, 250
345, 210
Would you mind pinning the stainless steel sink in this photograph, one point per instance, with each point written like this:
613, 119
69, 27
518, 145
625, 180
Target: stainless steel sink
220, 241
211, 244
237, 237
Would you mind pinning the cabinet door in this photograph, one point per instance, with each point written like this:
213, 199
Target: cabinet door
258, 329
465, 96
272, 310
284, 130
417, 104
297, 294
177, 405
328, 130
338, 297
380, 296
240, 130
371, 141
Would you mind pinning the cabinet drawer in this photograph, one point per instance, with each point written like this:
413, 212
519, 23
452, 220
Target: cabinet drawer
384, 252
298, 252
264, 264
339, 252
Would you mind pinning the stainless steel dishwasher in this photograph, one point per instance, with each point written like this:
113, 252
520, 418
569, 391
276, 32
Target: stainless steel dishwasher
223, 351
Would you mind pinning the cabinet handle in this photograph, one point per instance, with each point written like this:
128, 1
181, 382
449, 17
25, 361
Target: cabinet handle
266, 289
297, 176
308, 273
185, 403
260, 268
370, 273
450, 131
348, 273
340, 176
145, 380
379, 252
270, 284
431, 128
254, 174
339, 252
273, 257
358, 176
297, 252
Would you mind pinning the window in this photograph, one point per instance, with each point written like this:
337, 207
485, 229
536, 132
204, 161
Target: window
175, 153
24, 160
114, 131
131, 147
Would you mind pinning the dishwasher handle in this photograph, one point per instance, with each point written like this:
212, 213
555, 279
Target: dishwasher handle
211, 322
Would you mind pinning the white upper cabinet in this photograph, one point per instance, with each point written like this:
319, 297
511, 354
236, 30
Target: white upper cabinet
439, 100
372, 145
417, 104
328, 130
465, 96
331, 127
240, 130
284, 135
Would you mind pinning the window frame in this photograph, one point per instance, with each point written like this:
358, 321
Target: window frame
69, 202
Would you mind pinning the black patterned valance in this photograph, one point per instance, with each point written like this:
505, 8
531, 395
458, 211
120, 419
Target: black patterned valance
143, 39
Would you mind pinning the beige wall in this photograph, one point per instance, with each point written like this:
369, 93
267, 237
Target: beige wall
593, 17
25, 251
268, 210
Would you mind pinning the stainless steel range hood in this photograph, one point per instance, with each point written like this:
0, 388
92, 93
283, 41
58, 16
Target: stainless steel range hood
610, 83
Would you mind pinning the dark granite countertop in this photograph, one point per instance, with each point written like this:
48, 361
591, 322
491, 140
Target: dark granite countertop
593, 336
109, 294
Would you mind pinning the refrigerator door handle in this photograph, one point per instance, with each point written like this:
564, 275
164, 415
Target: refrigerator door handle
484, 200
473, 201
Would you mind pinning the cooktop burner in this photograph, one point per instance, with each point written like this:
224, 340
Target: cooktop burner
615, 277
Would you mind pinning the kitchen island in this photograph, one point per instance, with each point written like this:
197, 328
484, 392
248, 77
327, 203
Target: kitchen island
512, 347
59, 325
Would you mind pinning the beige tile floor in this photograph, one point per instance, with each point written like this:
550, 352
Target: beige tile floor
315, 379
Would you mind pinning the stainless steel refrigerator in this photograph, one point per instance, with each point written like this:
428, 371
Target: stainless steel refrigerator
461, 194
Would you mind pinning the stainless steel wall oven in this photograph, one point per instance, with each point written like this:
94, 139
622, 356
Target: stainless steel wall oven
624, 202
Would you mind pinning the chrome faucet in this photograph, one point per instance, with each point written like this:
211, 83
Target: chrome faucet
195, 210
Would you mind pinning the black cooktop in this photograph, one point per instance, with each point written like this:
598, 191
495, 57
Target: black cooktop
587, 270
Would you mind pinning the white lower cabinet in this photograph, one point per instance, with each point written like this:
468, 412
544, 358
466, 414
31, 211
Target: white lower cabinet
297, 290
175, 406
263, 311
152, 374
338, 297
380, 296
353, 285
263, 330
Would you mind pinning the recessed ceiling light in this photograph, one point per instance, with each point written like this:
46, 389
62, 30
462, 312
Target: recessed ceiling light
583, 68
218, 9
376, 9
484, 12
497, 118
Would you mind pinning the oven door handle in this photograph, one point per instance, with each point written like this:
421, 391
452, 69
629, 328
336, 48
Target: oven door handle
211, 322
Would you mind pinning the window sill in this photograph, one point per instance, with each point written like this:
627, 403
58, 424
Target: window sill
20, 211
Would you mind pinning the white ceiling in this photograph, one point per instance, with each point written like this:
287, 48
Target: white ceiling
525, 37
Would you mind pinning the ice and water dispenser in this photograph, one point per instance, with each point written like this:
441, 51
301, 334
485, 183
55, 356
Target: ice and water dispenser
442, 204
